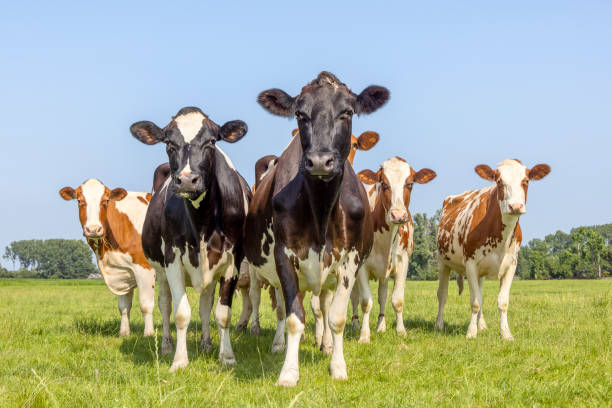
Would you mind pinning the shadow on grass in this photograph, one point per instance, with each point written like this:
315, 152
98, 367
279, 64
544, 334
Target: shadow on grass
106, 328
411, 324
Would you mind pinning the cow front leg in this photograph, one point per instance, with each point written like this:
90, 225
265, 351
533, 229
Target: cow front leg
503, 300
124, 302
365, 298
145, 280
182, 313
207, 298
278, 343
315, 305
164, 300
255, 296
443, 277
327, 341
471, 272
383, 288
244, 285
290, 373
397, 296
482, 325
223, 315
337, 315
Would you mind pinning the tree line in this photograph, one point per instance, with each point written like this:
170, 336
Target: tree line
584, 253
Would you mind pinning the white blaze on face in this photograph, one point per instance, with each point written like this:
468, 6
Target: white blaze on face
396, 171
512, 174
189, 125
92, 191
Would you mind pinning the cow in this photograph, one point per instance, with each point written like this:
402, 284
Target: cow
309, 225
112, 223
479, 235
364, 142
194, 226
389, 191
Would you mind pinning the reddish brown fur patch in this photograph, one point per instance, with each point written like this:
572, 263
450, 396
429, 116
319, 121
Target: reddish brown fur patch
486, 226
122, 236
142, 200
451, 208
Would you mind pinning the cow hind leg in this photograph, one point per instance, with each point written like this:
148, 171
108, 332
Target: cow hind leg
482, 325
503, 300
355, 304
207, 298
383, 288
164, 300
124, 302
223, 315
315, 305
145, 280
278, 343
255, 298
397, 296
327, 340
365, 298
247, 309
443, 277
471, 272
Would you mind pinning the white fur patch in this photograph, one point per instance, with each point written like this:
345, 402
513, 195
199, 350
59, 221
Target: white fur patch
396, 171
92, 191
189, 125
512, 174
135, 209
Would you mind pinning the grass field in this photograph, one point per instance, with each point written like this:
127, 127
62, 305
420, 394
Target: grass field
59, 347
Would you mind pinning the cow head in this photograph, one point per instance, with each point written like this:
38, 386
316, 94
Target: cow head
190, 143
512, 179
394, 181
93, 198
324, 110
365, 141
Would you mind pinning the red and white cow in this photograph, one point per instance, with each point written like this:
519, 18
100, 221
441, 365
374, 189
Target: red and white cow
112, 223
479, 235
389, 191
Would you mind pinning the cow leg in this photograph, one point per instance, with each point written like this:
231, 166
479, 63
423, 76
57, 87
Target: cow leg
290, 373
397, 296
223, 315
255, 297
482, 325
207, 298
355, 305
443, 277
471, 272
383, 288
503, 299
164, 300
182, 312
247, 308
125, 305
145, 280
327, 340
337, 315
365, 298
278, 344
315, 305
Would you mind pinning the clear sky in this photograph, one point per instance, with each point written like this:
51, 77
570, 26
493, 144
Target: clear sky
471, 82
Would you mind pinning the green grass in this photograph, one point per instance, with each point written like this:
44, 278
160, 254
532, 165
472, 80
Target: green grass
59, 347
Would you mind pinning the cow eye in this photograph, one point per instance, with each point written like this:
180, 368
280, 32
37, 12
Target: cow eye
384, 186
170, 149
301, 115
409, 185
345, 114
355, 146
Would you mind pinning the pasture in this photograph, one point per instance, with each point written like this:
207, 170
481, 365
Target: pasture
59, 347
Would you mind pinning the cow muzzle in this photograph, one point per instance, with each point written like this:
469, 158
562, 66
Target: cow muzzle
398, 216
93, 231
186, 184
319, 164
516, 209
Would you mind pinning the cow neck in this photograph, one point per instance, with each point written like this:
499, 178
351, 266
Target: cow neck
322, 199
108, 241
379, 213
206, 209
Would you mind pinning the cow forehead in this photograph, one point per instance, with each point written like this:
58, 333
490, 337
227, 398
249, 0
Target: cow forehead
92, 191
511, 172
396, 170
189, 124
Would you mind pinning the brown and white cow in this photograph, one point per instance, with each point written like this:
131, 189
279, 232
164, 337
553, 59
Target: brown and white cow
479, 235
112, 223
308, 226
389, 191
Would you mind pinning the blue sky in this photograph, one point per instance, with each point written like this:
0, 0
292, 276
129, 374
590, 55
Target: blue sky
470, 83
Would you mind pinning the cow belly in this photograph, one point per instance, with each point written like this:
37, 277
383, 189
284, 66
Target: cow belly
116, 269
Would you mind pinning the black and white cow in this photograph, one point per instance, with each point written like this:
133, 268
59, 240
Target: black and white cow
194, 226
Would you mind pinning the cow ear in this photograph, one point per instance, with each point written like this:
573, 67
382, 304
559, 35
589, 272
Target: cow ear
294, 132
485, 172
233, 131
367, 176
277, 102
147, 132
367, 140
424, 176
371, 98
117, 194
67, 193
539, 171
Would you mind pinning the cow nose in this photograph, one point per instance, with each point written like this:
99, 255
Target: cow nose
398, 216
517, 208
319, 164
187, 181
93, 231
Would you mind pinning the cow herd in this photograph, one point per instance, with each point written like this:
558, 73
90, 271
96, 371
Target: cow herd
310, 223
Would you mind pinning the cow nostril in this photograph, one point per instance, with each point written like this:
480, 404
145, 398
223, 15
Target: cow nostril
178, 180
309, 164
194, 180
329, 163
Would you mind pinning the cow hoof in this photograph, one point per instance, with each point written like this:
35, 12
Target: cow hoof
439, 326
382, 327
303, 338
206, 345
472, 332
167, 346
148, 333
124, 333
241, 326
255, 329
355, 324
177, 365
277, 348
364, 340
401, 331
288, 378
506, 335
338, 372
227, 360
482, 325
